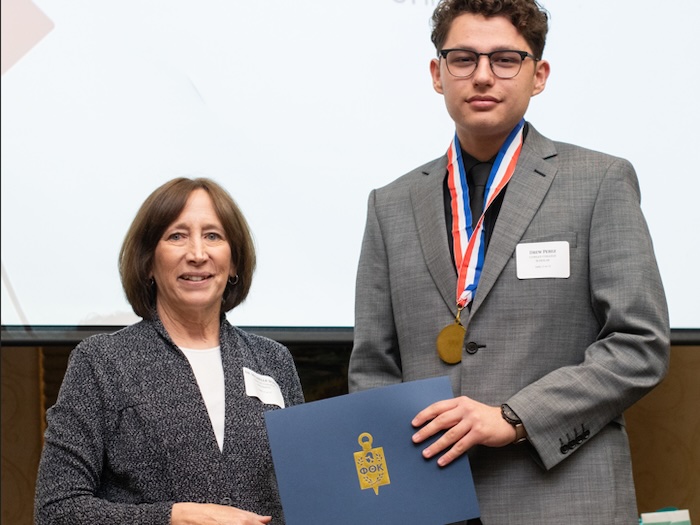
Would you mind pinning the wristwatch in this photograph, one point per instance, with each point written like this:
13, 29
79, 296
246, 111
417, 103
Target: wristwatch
513, 419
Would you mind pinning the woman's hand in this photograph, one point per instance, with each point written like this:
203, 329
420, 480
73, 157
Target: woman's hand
211, 514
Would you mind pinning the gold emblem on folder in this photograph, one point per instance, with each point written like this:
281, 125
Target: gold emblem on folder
371, 464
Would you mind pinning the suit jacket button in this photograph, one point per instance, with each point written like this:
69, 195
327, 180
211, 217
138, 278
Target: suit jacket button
227, 501
564, 449
472, 347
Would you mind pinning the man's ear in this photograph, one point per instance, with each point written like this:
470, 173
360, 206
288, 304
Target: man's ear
541, 75
435, 73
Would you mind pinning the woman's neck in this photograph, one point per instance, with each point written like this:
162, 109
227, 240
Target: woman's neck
191, 331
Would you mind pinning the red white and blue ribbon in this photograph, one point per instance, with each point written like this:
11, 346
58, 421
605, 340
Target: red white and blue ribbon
469, 245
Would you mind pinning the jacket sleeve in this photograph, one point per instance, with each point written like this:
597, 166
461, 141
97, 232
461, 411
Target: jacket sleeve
630, 354
72, 460
375, 359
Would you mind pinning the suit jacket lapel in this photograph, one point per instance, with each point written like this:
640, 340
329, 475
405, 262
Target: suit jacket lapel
428, 205
527, 188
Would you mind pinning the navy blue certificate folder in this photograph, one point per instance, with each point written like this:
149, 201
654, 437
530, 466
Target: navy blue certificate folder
349, 460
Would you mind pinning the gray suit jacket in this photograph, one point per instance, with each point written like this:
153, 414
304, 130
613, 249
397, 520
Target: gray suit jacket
568, 355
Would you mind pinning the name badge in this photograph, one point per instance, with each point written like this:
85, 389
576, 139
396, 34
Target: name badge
543, 260
265, 388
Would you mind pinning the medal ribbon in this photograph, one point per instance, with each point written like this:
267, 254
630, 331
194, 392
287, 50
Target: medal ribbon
469, 245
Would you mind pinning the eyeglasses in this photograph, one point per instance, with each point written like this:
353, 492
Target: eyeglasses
505, 64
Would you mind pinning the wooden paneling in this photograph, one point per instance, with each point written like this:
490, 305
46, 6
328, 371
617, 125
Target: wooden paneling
664, 427
21, 433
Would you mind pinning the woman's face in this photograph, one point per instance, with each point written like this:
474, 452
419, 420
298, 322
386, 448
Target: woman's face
192, 261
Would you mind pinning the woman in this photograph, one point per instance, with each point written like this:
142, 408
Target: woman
163, 422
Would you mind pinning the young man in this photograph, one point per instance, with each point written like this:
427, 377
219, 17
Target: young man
547, 312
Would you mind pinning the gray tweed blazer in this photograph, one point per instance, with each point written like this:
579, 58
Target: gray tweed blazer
130, 434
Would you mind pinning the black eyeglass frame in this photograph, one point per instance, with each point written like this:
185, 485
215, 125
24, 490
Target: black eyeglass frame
523, 55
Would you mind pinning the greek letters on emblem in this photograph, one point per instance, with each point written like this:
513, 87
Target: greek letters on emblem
371, 465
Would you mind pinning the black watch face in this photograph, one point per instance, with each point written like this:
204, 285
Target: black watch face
509, 415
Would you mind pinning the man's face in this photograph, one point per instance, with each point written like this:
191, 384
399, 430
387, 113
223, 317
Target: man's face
486, 108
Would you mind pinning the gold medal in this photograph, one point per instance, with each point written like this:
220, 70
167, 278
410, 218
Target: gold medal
450, 341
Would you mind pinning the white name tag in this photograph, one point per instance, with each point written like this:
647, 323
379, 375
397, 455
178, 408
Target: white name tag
265, 388
542, 260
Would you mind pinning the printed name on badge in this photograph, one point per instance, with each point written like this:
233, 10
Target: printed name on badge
543, 260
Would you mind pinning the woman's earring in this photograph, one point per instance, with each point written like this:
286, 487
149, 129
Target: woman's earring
233, 281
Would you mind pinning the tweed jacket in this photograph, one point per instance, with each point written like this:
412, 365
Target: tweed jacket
130, 434
569, 355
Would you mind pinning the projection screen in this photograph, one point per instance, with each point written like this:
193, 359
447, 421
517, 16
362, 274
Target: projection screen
299, 108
